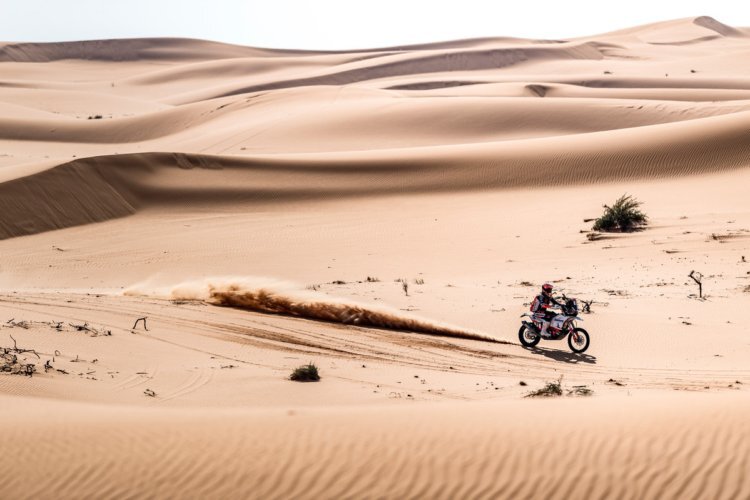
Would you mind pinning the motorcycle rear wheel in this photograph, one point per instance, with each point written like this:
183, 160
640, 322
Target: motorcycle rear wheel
528, 337
579, 340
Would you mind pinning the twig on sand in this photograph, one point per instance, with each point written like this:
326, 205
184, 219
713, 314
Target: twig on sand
698, 278
21, 351
138, 321
20, 324
580, 390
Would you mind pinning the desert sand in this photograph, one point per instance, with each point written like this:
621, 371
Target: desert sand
262, 209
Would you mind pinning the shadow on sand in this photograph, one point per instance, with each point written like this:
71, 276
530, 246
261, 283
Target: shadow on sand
568, 357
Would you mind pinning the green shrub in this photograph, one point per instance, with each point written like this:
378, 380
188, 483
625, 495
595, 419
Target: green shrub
305, 373
623, 215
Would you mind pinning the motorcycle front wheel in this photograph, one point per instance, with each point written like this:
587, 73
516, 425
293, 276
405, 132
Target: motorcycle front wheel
578, 340
528, 337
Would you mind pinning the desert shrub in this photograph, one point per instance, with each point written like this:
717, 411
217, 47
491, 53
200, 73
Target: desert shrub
624, 215
305, 373
549, 390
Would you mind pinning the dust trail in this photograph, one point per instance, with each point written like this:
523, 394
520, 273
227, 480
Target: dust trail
283, 298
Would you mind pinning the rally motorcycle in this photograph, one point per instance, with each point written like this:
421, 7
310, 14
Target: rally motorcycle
561, 326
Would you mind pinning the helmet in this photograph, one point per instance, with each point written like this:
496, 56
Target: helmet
547, 287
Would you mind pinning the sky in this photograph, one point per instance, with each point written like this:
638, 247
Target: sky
342, 24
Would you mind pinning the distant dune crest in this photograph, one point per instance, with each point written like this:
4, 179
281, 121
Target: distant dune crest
714, 25
135, 49
184, 49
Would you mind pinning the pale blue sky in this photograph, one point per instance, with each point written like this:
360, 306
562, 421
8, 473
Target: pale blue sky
342, 24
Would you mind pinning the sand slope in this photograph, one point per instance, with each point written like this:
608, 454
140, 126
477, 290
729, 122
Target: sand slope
585, 450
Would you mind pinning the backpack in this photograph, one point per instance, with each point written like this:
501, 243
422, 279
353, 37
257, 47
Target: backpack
535, 304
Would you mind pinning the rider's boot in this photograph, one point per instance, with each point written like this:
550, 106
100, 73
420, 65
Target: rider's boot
543, 333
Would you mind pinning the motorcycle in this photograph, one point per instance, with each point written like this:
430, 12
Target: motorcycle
561, 325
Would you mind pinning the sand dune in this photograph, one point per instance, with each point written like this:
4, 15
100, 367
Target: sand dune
698, 28
171, 49
410, 64
481, 450
101, 188
462, 169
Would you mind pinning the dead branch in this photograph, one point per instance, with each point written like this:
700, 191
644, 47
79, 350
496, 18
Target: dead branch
587, 306
698, 278
139, 320
21, 351
20, 324
93, 331
81, 328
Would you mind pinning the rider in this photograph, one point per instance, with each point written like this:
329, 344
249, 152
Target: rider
540, 306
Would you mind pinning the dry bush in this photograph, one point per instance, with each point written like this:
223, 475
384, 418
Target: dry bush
552, 389
555, 389
305, 373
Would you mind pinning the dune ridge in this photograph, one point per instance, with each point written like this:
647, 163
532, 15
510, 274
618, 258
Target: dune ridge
105, 187
463, 117
135, 49
452, 61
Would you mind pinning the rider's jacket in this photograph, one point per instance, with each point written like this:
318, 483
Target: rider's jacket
542, 302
